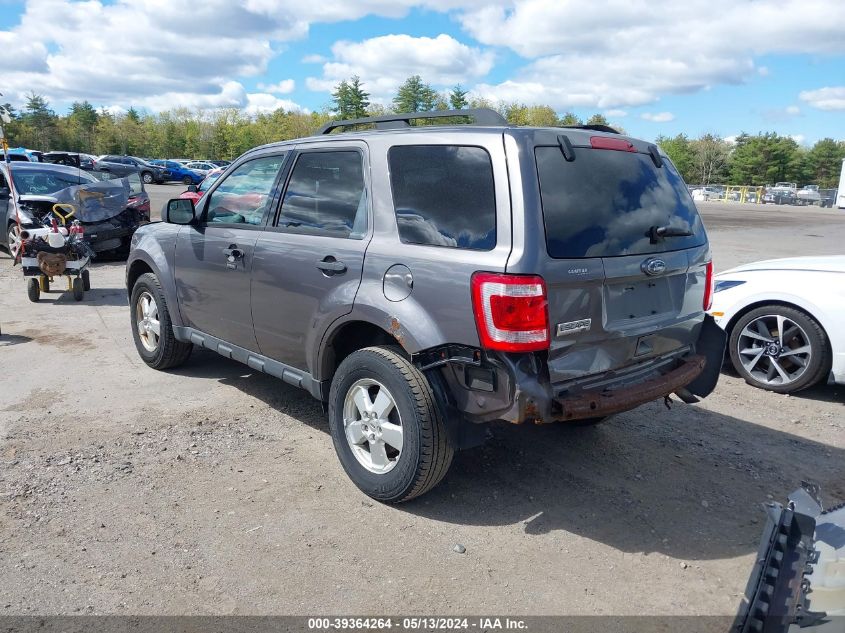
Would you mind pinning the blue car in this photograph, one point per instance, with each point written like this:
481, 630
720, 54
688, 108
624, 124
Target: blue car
177, 171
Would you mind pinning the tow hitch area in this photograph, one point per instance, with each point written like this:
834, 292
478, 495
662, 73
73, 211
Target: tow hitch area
797, 578
600, 403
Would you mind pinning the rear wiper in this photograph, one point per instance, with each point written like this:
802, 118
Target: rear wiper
657, 233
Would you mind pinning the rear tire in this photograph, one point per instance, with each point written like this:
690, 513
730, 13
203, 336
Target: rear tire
78, 289
148, 311
33, 289
187, 180
382, 379
787, 369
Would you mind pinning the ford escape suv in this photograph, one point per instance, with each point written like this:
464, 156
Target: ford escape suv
424, 280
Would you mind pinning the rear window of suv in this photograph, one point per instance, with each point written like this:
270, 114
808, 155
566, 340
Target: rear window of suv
443, 195
604, 203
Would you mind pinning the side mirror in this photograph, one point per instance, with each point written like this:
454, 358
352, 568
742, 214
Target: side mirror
192, 188
179, 211
5, 193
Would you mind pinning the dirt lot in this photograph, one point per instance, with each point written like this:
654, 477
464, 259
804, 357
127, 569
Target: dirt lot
213, 490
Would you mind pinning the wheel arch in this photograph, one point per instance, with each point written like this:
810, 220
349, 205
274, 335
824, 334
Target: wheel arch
347, 337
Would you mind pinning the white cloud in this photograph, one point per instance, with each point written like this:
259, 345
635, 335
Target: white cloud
763, 71
794, 110
314, 59
658, 117
798, 138
261, 102
828, 98
616, 113
383, 63
284, 87
630, 52
731, 140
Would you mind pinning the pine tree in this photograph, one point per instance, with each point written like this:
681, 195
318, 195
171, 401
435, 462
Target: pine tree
358, 98
458, 98
415, 96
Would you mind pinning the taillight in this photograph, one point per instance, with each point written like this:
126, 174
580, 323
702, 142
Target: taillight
708, 286
510, 312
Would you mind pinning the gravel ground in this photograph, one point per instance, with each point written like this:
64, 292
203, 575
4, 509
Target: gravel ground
214, 490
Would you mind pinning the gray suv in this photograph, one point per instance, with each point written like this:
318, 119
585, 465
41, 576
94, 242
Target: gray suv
425, 280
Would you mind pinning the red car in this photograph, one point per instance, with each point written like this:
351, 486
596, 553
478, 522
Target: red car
195, 193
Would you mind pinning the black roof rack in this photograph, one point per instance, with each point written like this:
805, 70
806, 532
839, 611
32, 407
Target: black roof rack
481, 116
595, 128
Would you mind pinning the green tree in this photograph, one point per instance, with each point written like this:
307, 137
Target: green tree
680, 151
415, 96
341, 100
766, 159
570, 119
350, 100
458, 98
825, 162
597, 119
41, 121
710, 159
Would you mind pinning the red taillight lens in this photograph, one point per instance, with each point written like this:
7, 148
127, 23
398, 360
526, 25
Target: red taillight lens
708, 286
510, 312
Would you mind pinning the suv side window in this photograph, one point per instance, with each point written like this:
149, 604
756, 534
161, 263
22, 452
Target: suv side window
444, 195
326, 195
245, 194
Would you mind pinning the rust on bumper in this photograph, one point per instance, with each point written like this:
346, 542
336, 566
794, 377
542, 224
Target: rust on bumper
593, 404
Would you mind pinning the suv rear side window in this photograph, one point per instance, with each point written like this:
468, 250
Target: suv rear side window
604, 202
443, 195
326, 195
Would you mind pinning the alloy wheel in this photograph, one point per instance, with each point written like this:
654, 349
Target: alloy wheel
774, 350
147, 321
372, 425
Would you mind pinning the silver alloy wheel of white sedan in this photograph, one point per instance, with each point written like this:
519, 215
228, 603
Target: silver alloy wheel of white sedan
774, 349
147, 321
14, 239
372, 425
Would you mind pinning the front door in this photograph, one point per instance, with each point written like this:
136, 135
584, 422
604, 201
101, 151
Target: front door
214, 258
307, 265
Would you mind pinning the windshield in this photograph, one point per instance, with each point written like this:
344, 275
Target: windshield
208, 181
604, 204
43, 182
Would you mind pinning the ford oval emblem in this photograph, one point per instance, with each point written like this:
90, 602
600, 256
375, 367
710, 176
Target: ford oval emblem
653, 267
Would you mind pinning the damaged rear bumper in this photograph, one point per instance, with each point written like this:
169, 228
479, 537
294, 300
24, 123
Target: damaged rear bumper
517, 389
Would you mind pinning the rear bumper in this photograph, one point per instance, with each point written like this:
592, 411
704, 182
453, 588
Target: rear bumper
518, 389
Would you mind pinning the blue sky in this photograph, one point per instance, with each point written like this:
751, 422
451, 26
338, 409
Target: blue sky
652, 66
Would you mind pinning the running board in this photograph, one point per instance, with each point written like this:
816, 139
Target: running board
253, 360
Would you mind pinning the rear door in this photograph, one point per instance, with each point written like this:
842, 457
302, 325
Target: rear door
214, 258
307, 265
626, 255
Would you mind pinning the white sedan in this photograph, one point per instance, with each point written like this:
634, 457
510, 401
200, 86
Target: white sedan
785, 320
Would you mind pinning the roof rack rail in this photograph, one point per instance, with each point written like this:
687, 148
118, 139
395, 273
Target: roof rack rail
481, 116
595, 127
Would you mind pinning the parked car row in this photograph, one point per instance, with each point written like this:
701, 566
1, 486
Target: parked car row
186, 171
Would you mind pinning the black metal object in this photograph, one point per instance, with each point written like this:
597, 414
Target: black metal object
776, 594
480, 116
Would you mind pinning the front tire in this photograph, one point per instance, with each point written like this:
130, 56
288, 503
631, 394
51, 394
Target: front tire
187, 180
147, 177
780, 349
387, 426
152, 328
